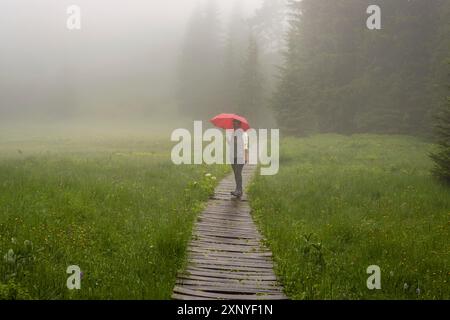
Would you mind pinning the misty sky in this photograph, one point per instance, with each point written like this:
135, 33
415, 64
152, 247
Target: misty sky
124, 55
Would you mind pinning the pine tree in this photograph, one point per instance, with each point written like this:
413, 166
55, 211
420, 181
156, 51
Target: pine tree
338, 76
293, 116
199, 86
234, 51
440, 47
442, 156
251, 85
269, 24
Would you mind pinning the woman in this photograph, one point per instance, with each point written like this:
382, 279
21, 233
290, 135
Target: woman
239, 154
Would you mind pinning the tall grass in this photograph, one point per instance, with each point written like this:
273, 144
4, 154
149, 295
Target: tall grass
118, 209
340, 204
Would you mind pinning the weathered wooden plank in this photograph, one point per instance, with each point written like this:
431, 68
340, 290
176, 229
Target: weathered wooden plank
231, 198
220, 220
217, 219
225, 194
225, 221
231, 258
224, 296
247, 254
223, 191
232, 261
228, 211
229, 227
223, 215
230, 275
249, 272
215, 237
256, 282
221, 205
221, 248
229, 289
228, 204
246, 226
251, 231
221, 230
223, 237
231, 250
228, 241
210, 266
230, 283
229, 262
235, 253
233, 247
237, 207
229, 235
236, 212
225, 232
179, 296
211, 243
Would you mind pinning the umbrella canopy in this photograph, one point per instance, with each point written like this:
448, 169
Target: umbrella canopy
225, 121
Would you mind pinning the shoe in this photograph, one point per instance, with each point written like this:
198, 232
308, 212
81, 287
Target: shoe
237, 194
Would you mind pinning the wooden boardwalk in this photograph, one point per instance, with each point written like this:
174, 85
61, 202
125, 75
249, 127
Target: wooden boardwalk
226, 257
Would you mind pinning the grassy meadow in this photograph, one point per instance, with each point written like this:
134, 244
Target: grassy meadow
120, 210
340, 204
116, 208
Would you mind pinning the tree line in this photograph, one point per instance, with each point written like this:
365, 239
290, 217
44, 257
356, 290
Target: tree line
325, 72
228, 65
339, 76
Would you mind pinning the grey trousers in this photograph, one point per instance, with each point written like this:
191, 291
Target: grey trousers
237, 169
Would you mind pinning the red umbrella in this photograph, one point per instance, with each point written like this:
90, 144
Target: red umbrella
225, 121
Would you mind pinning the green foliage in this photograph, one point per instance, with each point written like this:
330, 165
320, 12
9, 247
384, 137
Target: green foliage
441, 157
338, 76
12, 291
19, 260
120, 210
251, 93
353, 202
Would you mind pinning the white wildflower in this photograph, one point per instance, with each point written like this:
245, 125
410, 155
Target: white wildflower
28, 244
10, 257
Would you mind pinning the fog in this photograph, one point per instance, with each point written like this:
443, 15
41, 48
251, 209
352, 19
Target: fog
120, 68
156, 65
